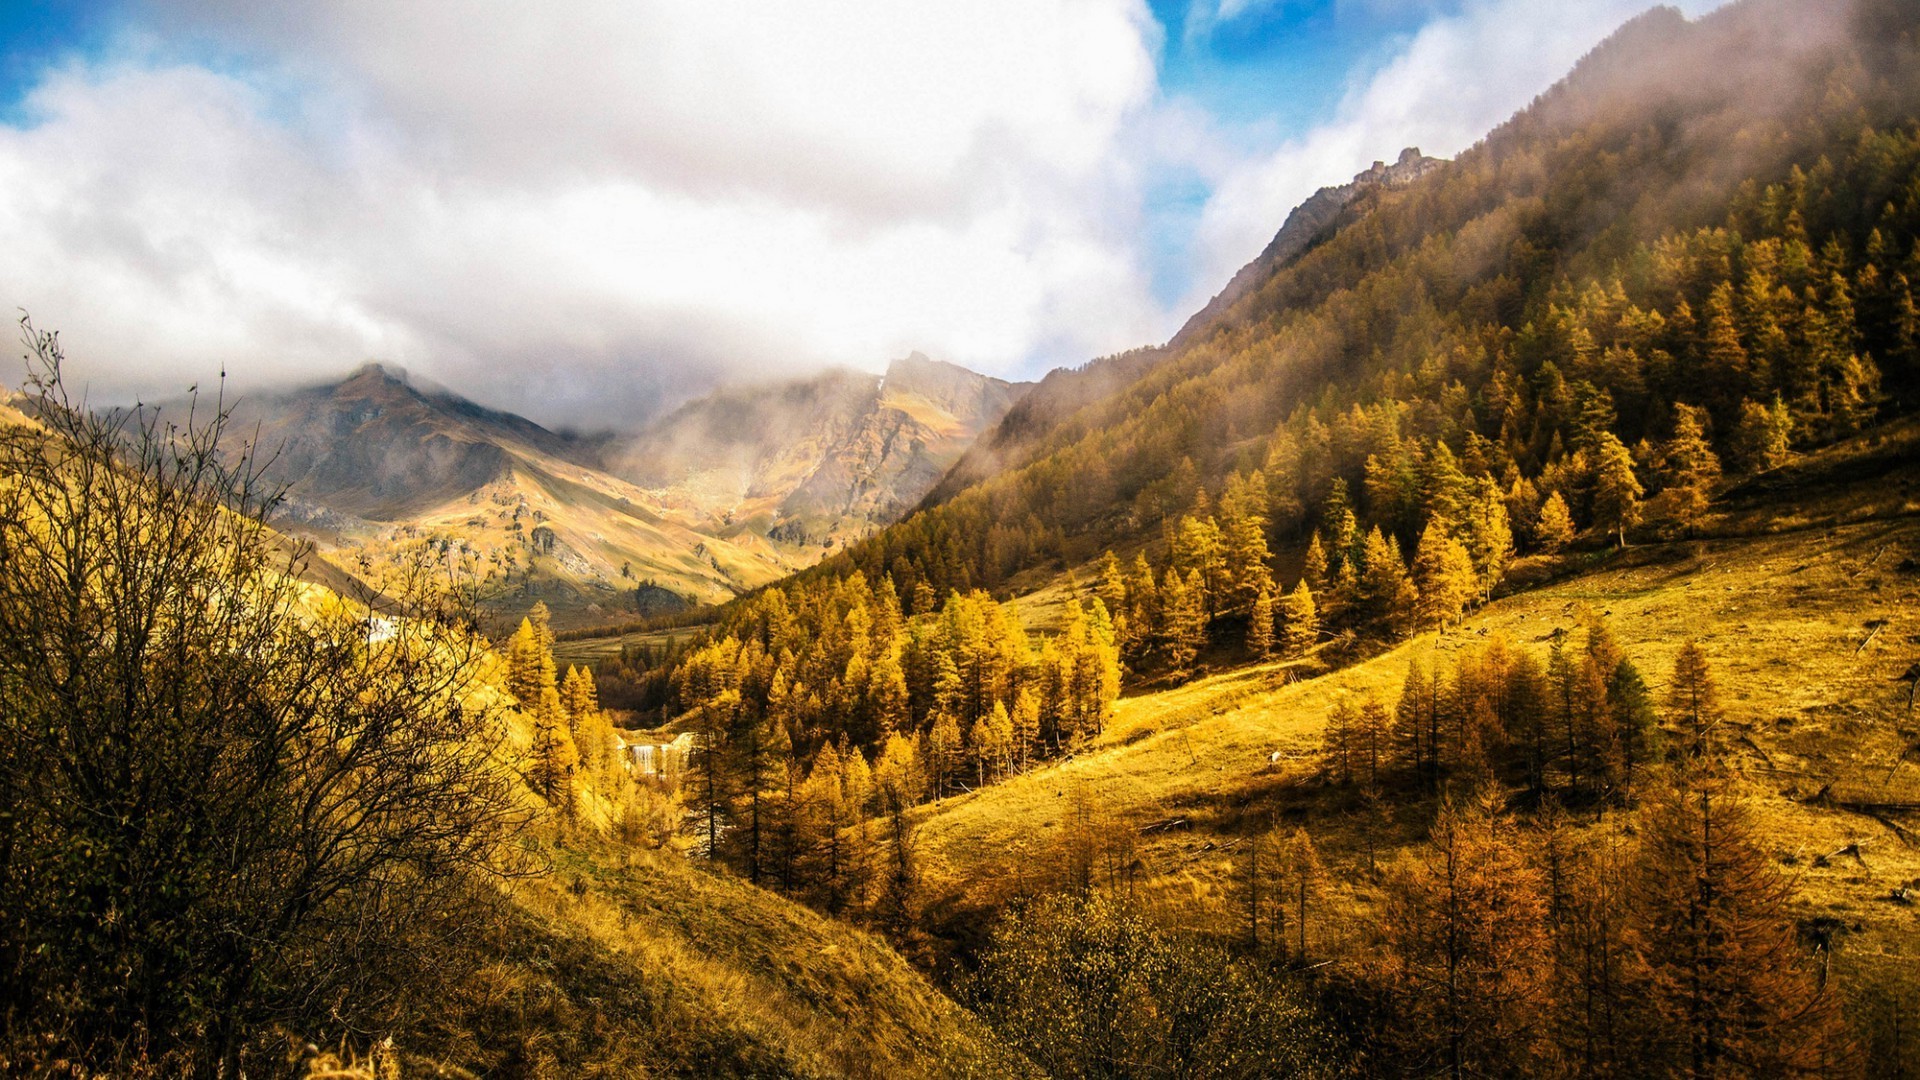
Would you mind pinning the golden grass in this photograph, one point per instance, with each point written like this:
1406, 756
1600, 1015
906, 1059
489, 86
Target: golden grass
1782, 597
636, 962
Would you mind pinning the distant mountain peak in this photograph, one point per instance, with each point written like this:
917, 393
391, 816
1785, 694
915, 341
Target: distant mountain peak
378, 371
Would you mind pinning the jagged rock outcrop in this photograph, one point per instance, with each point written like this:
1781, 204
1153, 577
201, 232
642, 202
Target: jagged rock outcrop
1305, 225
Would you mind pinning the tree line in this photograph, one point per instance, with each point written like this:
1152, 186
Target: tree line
1660, 938
819, 706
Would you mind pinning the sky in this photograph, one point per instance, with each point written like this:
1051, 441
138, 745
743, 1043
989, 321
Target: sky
586, 212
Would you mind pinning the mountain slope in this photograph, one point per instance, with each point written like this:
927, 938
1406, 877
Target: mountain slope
376, 467
375, 446
1044, 414
1784, 588
818, 460
1576, 252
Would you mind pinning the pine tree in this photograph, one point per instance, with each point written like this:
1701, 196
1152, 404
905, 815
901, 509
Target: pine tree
1727, 986
1336, 743
1487, 531
1692, 699
1184, 619
1385, 588
1300, 622
1112, 591
1764, 438
555, 757
710, 778
1725, 365
1466, 948
1301, 875
1144, 612
763, 754
1637, 729
856, 788
942, 751
1260, 624
826, 819
1025, 722
1243, 527
1444, 575
988, 743
1617, 491
1554, 530
1314, 571
1692, 468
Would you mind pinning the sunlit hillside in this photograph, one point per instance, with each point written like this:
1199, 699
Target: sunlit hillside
1804, 591
1481, 638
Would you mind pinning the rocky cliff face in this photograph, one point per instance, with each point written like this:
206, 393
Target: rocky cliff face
813, 462
1304, 226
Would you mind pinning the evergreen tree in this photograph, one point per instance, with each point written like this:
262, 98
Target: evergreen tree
1336, 743
1384, 586
555, 756
942, 751
710, 780
1764, 438
1617, 491
1184, 619
1444, 575
826, 818
1300, 622
1725, 366
1487, 531
1692, 468
1314, 571
1727, 988
1260, 625
763, 754
1554, 530
1025, 725
1243, 513
1693, 701
1302, 877
1466, 948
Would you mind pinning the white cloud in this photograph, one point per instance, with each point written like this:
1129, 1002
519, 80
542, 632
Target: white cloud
1457, 78
562, 214
572, 215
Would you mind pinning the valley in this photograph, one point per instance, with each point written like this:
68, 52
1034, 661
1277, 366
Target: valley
1481, 640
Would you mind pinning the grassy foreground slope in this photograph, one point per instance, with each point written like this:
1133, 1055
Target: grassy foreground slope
1783, 587
636, 963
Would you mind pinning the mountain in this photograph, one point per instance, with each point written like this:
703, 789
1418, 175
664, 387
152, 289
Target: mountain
1583, 256
1043, 414
1498, 535
727, 493
817, 461
1307, 224
377, 468
378, 447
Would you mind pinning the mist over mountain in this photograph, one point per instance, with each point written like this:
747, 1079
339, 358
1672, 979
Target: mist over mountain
817, 460
725, 493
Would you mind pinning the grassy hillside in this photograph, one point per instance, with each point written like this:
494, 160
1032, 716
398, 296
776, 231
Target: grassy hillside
1804, 589
633, 962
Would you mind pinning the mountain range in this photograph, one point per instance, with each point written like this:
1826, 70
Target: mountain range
725, 493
